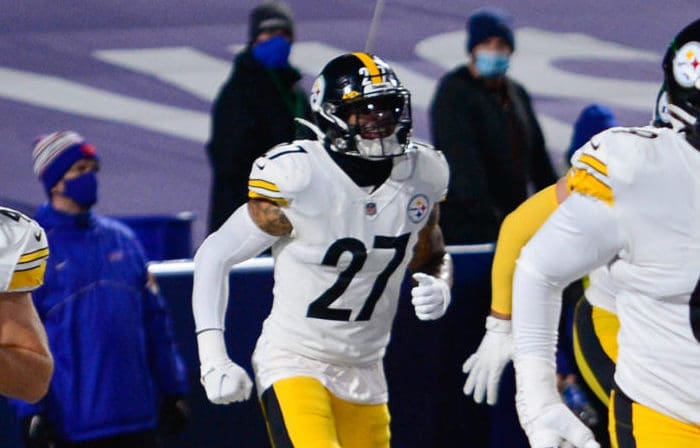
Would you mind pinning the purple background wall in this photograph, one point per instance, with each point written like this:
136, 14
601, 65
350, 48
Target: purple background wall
52, 76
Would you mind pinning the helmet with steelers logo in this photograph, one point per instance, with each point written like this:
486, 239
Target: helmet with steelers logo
681, 66
361, 107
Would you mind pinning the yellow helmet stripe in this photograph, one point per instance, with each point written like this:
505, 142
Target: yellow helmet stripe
374, 73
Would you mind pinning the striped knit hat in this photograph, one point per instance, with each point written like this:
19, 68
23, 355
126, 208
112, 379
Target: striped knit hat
55, 153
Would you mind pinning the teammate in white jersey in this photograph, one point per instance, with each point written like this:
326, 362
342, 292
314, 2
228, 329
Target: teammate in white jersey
345, 215
634, 208
26, 365
595, 323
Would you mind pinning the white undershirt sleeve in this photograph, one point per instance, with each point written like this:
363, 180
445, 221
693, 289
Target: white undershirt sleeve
237, 240
583, 233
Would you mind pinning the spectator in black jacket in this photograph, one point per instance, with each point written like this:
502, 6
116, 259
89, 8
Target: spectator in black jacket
255, 108
484, 123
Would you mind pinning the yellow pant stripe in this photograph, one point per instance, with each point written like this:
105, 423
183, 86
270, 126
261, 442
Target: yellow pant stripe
633, 425
595, 347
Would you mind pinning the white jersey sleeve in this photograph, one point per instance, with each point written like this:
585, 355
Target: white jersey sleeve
23, 252
434, 168
280, 174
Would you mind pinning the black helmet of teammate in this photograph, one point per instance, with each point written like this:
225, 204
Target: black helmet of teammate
361, 107
681, 66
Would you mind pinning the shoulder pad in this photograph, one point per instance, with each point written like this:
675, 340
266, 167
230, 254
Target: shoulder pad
23, 252
280, 174
590, 164
588, 174
432, 167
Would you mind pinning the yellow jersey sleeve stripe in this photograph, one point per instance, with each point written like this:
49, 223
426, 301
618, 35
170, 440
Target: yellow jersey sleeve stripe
374, 74
594, 163
29, 279
583, 182
263, 184
35, 255
282, 202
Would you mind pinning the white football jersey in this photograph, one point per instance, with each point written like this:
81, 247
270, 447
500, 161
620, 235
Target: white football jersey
601, 289
651, 179
23, 252
338, 275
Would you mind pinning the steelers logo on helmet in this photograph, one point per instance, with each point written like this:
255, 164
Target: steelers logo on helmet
361, 107
686, 65
317, 89
681, 65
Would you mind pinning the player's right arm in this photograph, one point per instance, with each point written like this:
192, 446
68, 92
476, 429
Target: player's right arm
26, 364
251, 229
485, 366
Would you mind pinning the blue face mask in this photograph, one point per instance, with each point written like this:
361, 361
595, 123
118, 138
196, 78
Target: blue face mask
82, 189
491, 64
273, 53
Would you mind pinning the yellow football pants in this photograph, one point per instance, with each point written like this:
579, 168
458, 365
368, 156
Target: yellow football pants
301, 413
633, 425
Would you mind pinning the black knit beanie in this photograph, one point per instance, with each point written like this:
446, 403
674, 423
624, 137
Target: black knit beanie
268, 16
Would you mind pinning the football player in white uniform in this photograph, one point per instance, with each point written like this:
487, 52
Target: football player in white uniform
634, 208
26, 364
345, 215
595, 325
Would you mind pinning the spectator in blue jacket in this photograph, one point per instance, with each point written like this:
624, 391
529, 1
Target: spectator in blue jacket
118, 373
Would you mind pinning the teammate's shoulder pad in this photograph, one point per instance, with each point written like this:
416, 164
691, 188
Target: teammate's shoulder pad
24, 248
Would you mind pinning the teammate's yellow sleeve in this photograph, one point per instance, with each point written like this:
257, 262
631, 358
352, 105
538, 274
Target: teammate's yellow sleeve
517, 229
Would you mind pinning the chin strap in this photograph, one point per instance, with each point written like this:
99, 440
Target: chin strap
682, 121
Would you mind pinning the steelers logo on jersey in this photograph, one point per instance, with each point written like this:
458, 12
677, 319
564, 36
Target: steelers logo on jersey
418, 208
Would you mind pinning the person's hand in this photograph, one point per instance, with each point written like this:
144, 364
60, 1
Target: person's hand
225, 381
174, 415
485, 366
547, 421
430, 297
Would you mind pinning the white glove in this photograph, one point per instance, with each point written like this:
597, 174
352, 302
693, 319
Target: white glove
224, 381
486, 365
547, 421
431, 297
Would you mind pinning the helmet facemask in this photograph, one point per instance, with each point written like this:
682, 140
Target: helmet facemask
377, 126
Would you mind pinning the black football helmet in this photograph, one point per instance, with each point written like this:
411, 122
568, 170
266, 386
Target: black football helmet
361, 107
681, 66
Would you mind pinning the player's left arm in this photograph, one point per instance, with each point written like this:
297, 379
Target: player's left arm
432, 269
429, 254
26, 364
